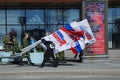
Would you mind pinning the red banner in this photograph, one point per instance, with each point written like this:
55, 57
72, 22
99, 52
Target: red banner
95, 15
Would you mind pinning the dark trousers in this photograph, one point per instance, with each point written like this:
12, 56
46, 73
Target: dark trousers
49, 54
27, 55
80, 56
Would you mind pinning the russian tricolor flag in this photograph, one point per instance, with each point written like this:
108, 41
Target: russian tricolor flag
73, 36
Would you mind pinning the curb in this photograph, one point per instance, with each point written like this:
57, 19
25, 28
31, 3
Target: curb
61, 73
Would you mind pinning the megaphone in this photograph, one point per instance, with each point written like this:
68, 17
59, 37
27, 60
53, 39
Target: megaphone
52, 46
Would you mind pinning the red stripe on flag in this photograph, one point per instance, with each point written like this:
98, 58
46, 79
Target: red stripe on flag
62, 42
75, 35
74, 50
73, 32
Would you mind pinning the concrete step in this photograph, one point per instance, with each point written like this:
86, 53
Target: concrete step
20, 74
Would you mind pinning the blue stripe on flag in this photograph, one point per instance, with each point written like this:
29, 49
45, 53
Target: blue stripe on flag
81, 28
60, 35
78, 47
68, 27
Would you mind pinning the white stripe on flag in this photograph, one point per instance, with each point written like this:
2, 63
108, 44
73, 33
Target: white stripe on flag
86, 27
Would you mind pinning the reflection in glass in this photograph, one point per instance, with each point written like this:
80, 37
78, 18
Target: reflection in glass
110, 35
17, 30
12, 16
113, 27
50, 16
60, 16
31, 27
49, 19
2, 34
112, 14
52, 28
2, 16
54, 16
71, 15
35, 16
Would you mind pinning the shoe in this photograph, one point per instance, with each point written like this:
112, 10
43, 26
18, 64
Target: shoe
22, 64
63, 60
80, 60
32, 64
55, 65
41, 66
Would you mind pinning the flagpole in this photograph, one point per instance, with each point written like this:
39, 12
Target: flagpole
24, 50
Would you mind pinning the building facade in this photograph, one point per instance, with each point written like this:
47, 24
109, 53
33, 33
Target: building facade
40, 16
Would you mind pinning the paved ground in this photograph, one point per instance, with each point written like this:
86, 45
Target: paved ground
67, 78
88, 67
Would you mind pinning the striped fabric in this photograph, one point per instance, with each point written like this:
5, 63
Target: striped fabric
73, 36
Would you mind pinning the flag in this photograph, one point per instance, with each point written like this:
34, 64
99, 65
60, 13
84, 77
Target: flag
73, 36
89, 37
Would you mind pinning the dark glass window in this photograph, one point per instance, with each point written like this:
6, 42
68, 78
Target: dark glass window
17, 30
34, 21
71, 15
114, 27
2, 34
2, 27
52, 28
35, 16
2, 16
53, 16
13, 22
56, 18
13, 15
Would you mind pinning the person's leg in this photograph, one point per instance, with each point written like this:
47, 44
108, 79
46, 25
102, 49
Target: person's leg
63, 57
55, 63
29, 60
21, 58
76, 55
80, 57
58, 57
44, 61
